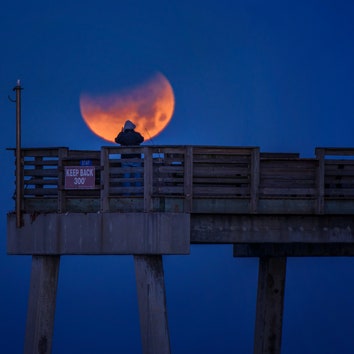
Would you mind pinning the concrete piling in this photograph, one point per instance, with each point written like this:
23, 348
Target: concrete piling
152, 304
270, 304
41, 304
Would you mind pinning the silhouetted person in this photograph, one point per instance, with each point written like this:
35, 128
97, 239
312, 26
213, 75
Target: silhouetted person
129, 137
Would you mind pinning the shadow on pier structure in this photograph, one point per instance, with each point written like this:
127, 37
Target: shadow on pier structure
267, 205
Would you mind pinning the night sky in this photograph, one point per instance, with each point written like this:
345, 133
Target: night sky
273, 74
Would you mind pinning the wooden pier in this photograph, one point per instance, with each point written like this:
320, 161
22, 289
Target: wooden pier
267, 205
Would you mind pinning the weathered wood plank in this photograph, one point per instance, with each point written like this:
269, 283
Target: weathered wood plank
188, 179
169, 190
332, 164
40, 163
255, 180
285, 173
169, 169
104, 195
148, 178
213, 171
222, 180
344, 192
169, 180
40, 191
177, 149
203, 150
279, 155
94, 155
40, 181
219, 190
333, 151
126, 191
287, 191
289, 183
50, 172
221, 159
41, 152
117, 162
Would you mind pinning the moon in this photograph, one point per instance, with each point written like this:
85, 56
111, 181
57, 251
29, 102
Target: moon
149, 106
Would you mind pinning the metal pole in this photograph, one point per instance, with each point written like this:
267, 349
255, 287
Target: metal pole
18, 89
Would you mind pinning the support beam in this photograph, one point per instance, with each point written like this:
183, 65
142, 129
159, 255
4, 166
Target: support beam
152, 304
273, 228
41, 304
299, 249
270, 303
99, 233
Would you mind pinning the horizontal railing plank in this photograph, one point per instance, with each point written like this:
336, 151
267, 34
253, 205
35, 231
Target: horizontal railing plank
52, 172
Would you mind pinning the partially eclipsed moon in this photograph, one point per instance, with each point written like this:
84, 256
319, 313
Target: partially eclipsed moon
149, 106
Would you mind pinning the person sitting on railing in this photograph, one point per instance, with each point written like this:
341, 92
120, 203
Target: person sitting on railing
129, 137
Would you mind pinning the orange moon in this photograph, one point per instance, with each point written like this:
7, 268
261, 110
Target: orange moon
149, 106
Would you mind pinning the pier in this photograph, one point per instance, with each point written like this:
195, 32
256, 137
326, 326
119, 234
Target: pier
266, 205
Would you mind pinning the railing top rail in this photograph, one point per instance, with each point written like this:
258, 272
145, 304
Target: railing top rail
39, 148
344, 151
334, 151
187, 145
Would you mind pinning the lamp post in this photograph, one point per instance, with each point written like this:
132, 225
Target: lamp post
18, 89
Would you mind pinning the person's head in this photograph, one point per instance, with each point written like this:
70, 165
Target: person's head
128, 125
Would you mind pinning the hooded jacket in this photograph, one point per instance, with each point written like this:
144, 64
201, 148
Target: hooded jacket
129, 137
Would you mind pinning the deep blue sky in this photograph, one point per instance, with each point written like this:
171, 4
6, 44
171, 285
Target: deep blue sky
273, 74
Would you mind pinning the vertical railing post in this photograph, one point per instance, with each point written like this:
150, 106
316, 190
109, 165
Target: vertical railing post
62, 153
255, 171
104, 196
320, 155
148, 180
188, 179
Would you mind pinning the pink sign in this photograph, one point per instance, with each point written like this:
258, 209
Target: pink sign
79, 177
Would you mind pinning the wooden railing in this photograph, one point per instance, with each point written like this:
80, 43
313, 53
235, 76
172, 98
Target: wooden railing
197, 179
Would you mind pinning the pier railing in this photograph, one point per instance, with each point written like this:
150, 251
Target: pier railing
197, 179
